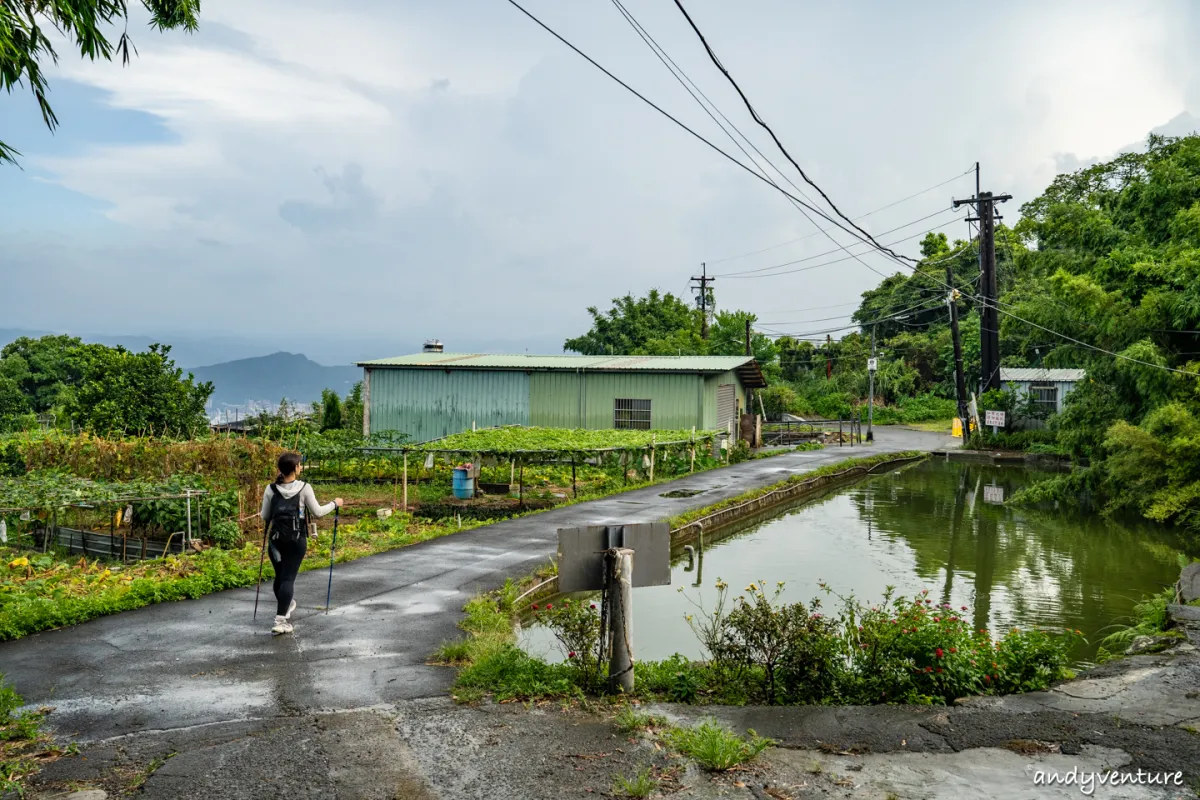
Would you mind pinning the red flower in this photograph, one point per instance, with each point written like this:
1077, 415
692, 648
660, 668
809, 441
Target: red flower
939, 669
935, 619
535, 608
549, 606
964, 608
987, 678
571, 654
593, 605
938, 652
953, 649
929, 669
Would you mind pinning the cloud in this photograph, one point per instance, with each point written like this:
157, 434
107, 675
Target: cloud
460, 167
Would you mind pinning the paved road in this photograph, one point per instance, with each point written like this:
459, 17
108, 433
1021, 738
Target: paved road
202, 662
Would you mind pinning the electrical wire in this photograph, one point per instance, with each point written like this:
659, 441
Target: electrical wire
680, 124
864, 216
684, 80
753, 113
739, 276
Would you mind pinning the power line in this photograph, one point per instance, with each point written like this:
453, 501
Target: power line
753, 113
864, 216
689, 130
750, 272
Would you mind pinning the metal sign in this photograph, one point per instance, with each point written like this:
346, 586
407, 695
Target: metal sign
993, 494
581, 554
872, 363
993, 418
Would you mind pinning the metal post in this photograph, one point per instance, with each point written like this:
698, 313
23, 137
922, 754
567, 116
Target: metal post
653, 439
405, 495
619, 564
188, 495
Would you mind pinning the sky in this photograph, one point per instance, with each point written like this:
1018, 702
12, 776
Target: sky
349, 183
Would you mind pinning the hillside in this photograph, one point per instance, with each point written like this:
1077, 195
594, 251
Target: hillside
264, 380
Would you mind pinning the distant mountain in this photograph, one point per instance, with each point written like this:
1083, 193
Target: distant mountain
265, 380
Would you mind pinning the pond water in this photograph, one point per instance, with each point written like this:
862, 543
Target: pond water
937, 525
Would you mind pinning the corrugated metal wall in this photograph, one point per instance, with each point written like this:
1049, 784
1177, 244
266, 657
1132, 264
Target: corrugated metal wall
710, 396
431, 403
557, 399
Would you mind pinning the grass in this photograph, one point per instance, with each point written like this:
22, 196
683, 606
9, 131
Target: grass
24, 744
629, 720
714, 747
640, 785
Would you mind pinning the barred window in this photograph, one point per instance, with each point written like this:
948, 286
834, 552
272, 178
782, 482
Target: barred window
1045, 396
631, 414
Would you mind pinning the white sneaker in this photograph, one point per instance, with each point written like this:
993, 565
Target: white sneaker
291, 608
281, 625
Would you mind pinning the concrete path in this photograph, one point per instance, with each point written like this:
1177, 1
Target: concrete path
176, 666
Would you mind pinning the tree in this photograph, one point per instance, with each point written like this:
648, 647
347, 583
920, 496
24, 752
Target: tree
352, 409
331, 410
137, 393
24, 43
46, 370
728, 337
634, 324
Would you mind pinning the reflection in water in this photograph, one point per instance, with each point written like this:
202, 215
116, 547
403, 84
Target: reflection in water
936, 525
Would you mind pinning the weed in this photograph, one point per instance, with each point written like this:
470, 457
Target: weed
815, 768
453, 652
640, 785
714, 747
628, 720
140, 778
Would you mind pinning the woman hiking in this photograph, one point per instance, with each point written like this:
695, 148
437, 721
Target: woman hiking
285, 506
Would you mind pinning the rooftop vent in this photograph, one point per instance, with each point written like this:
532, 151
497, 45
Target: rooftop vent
432, 346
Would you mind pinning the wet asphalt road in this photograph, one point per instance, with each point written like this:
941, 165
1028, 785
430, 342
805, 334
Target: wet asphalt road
202, 662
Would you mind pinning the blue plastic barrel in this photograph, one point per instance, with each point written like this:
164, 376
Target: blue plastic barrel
464, 485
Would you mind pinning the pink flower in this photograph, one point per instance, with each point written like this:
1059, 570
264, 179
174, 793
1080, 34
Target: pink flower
964, 608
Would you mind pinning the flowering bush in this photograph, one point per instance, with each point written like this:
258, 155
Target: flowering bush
900, 650
576, 626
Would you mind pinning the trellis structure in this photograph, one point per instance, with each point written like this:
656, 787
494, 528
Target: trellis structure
644, 442
55, 491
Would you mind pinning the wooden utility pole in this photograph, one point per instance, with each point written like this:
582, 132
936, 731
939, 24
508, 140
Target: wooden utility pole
989, 317
828, 357
960, 383
749, 352
703, 279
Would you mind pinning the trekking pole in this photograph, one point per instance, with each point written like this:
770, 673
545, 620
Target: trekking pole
261, 559
332, 548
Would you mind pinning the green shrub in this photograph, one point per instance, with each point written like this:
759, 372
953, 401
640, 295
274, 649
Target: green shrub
508, 671
629, 720
739, 452
576, 626
640, 785
226, 535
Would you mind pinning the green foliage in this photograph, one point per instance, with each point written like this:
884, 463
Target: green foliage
716, 748
641, 326
25, 44
640, 785
331, 410
508, 672
22, 741
102, 389
226, 535
576, 627
740, 452
516, 440
630, 720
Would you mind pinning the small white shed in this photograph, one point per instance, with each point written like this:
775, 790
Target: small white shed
1049, 387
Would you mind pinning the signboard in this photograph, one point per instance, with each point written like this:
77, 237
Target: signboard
993, 494
872, 363
993, 418
581, 554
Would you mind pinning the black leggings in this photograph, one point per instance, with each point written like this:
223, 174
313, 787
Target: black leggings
286, 556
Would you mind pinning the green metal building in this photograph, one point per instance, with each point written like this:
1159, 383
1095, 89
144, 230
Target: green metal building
432, 394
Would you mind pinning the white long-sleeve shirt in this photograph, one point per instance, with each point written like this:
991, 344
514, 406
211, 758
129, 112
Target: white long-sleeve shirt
289, 490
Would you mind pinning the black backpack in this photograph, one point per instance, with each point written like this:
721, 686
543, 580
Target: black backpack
287, 516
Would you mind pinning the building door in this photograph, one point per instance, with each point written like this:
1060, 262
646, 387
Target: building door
727, 407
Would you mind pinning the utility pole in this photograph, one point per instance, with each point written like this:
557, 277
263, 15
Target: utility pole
704, 280
960, 383
828, 357
871, 365
749, 352
989, 317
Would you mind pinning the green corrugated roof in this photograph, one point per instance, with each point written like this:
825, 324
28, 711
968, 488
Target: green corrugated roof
605, 363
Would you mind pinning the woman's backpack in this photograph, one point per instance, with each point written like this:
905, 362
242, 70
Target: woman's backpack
287, 516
